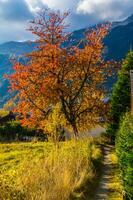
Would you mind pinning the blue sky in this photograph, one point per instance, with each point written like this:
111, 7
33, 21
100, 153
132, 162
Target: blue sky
15, 14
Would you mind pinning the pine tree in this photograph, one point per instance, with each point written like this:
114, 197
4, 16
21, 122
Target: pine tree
121, 95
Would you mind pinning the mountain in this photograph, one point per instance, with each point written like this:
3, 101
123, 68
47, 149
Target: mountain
118, 42
120, 39
8, 51
124, 22
5, 66
17, 48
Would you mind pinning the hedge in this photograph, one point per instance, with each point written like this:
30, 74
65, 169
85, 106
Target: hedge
124, 148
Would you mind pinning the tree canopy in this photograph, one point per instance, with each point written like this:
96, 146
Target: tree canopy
72, 77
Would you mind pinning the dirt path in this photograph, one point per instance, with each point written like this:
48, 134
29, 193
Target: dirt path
102, 190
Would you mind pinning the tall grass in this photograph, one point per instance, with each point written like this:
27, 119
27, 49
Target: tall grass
55, 175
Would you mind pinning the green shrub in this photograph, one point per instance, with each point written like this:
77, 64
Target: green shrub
124, 147
120, 99
13, 130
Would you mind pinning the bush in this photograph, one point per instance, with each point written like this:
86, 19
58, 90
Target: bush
124, 147
13, 130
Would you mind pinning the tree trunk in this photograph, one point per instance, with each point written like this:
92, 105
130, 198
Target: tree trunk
75, 131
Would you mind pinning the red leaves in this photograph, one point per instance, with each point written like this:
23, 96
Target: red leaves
49, 27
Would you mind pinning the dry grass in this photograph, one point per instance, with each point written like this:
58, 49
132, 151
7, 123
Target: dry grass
48, 171
115, 185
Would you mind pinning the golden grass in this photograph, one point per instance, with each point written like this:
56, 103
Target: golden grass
115, 185
3, 112
44, 171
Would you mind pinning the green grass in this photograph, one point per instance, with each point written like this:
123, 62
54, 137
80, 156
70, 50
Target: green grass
45, 171
3, 113
14, 154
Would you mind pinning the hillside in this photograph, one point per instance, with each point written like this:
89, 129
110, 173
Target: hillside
16, 48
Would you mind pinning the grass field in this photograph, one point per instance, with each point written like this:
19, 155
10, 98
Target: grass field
45, 171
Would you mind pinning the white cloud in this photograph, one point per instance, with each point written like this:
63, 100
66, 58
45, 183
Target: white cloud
61, 4
54, 4
15, 14
98, 9
34, 5
106, 9
88, 6
16, 33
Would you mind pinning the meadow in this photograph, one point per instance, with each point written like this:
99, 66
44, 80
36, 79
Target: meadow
45, 171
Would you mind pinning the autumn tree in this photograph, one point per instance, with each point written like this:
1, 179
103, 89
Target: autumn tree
73, 77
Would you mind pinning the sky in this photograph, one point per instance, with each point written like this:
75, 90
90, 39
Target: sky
15, 14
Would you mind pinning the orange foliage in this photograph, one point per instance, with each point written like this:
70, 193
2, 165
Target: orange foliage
73, 77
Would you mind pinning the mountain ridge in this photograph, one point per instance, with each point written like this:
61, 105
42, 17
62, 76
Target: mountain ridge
117, 44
